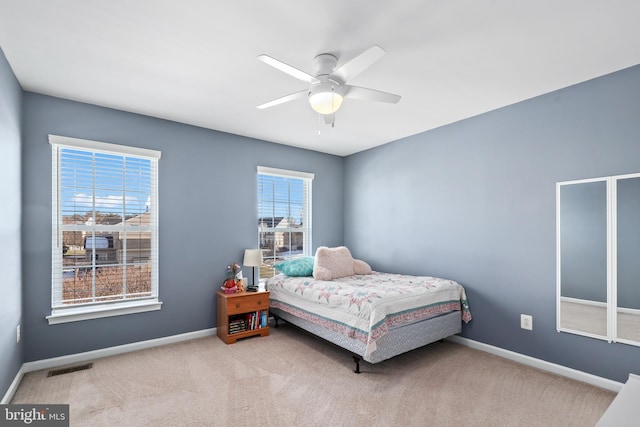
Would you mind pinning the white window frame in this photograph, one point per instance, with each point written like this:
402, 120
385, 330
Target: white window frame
307, 228
63, 313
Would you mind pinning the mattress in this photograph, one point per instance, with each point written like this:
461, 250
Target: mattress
365, 308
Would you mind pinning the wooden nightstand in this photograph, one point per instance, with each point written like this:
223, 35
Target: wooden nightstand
241, 315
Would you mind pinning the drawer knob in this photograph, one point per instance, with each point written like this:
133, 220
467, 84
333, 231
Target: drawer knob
237, 305
259, 302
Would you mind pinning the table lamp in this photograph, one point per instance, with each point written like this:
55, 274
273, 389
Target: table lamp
252, 258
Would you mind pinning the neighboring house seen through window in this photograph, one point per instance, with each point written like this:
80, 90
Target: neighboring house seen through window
105, 230
284, 216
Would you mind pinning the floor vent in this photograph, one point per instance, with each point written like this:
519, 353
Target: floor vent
70, 369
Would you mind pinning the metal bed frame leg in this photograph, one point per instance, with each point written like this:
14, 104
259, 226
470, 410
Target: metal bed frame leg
357, 360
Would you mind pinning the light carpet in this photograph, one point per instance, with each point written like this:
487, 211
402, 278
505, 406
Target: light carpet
293, 379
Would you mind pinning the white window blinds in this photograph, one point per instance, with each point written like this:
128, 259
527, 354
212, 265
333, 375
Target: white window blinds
284, 215
104, 224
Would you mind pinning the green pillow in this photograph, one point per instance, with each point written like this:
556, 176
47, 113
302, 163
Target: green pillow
302, 266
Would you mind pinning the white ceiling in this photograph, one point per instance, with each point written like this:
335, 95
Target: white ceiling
195, 61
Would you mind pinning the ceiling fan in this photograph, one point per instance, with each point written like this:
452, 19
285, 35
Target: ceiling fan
329, 86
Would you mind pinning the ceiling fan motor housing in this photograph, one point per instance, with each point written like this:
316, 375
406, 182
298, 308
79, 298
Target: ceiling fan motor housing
325, 63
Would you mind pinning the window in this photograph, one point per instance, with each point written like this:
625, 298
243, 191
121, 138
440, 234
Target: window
284, 216
104, 230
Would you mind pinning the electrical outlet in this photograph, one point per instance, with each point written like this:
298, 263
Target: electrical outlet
526, 322
18, 334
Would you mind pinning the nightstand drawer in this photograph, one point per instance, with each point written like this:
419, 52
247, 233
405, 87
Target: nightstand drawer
246, 303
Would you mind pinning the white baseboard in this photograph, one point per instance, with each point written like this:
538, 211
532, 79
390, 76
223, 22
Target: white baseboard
55, 362
540, 364
112, 351
13, 387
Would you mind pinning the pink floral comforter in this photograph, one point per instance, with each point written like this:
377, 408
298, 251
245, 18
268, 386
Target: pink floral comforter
365, 307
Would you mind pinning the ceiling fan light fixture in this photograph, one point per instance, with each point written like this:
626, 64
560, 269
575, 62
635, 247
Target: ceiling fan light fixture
324, 99
329, 86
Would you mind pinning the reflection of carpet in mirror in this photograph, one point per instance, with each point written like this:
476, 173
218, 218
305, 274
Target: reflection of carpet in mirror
584, 318
629, 326
593, 319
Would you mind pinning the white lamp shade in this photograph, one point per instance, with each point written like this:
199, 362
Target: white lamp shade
252, 258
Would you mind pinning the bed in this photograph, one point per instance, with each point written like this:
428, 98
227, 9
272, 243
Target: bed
374, 316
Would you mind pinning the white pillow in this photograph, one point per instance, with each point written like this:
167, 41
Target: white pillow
361, 267
334, 263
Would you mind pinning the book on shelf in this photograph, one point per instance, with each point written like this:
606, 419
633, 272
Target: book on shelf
247, 321
237, 324
263, 318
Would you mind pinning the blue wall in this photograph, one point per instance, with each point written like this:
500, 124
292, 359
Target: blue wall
207, 196
475, 202
10, 285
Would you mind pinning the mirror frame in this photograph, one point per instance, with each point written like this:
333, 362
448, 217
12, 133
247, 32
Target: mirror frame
612, 293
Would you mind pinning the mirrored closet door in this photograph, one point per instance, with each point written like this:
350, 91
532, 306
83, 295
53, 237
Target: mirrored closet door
627, 260
598, 258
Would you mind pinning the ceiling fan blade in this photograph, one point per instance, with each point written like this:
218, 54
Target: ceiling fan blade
356, 92
301, 94
360, 63
286, 68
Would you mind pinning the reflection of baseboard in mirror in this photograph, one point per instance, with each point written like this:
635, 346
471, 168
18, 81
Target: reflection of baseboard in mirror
589, 318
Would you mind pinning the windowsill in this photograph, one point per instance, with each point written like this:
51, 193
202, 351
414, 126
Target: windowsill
65, 315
